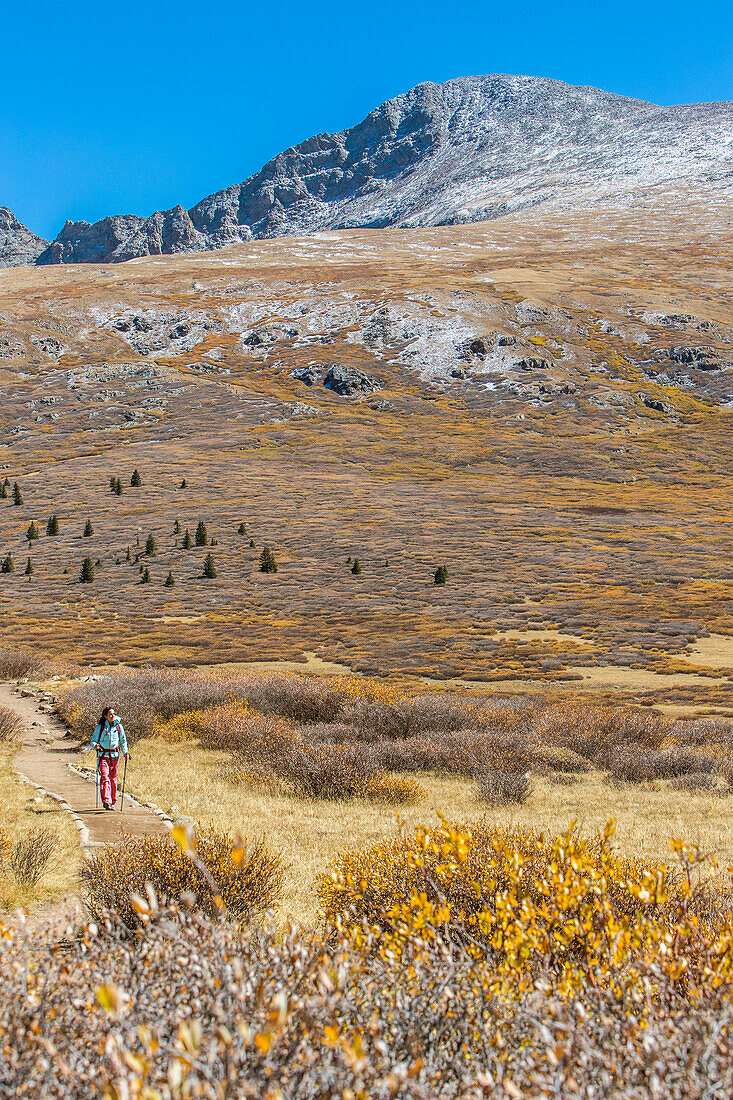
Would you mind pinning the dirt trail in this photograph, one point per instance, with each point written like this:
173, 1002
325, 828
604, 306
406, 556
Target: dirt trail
45, 757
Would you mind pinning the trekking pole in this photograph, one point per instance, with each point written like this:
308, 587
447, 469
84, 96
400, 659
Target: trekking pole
124, 777
96, 784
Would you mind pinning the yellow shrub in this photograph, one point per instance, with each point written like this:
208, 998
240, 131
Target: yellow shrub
568, 906
248, 882
393, 789
230, 725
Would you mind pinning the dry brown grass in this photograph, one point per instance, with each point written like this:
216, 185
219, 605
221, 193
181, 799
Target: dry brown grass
310, 834
22, 812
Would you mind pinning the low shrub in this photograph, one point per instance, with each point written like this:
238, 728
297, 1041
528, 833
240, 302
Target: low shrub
30, 855
268, 751
379, 718
249, 882
310, 699
559, 758
395, 790
588, 730
143, 698
17, 663
466, 752
501, 788
564, 910
325, 771
10, 724
637, 764
198, 1008
700, 783
232, 726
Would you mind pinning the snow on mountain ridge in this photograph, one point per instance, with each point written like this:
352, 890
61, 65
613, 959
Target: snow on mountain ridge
470, 149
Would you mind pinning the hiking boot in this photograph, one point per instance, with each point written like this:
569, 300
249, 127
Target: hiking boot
107, 806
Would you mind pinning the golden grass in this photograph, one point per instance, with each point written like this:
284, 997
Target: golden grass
310, 834
22, 809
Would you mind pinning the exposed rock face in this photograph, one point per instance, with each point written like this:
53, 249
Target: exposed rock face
80, 242
699, 358
18, 246
471, 149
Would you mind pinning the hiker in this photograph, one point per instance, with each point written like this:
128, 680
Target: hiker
109, 740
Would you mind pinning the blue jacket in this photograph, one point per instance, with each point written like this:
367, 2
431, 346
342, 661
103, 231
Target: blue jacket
110, 740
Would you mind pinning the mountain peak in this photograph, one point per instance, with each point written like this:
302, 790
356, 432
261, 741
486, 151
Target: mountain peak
470, 149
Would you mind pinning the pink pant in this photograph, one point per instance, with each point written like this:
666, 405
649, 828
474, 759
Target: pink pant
108, 779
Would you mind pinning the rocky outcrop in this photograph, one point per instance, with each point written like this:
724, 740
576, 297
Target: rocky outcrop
530, 363
699, 358
18, 246
83, 242
656, 404
346, 381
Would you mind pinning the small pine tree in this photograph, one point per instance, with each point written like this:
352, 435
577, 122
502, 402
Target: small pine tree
214, 542
87, 571
150, 546
170, 580
32, 532
440, 575
112, 483
145, 578
386, 563
187, 540
17, 495
128, 555
267, 561
118, 488
3, 491
348, 560
29, 568
356, 568
184, 484
8, 565
177, 528
52, 527
88, 529
251, 543
241, 529
209, 567
136, 481
201, 537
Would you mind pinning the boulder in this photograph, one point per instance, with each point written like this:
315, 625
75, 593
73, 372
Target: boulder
347, 381
307, 375
532, 364
656, 404
475, 348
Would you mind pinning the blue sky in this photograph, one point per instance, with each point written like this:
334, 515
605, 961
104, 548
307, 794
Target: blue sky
127, 108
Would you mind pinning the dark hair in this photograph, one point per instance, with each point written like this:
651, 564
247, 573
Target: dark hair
103, 719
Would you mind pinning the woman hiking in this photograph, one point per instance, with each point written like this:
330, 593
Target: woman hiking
109, 740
